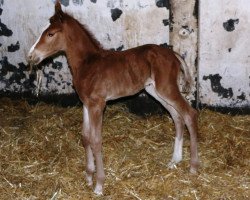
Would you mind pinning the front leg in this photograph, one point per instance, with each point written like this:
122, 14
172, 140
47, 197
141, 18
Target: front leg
90, 165
95, 110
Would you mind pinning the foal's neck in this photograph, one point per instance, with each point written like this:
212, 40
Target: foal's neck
80, 45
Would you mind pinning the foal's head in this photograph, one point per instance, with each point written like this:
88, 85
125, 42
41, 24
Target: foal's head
52, 39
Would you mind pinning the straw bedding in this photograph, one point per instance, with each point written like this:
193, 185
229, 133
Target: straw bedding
41, 155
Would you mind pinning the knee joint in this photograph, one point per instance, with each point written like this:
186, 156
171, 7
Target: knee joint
96, 145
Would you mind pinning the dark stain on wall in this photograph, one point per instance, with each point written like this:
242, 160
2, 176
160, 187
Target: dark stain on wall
165, 45
115, 13
229, 25
6, 67
187, 29
17, 76
120, 48
217, 87
4, 30
242, 96
50, 78
108, 37
55, 64
14, 47
77, 2
28, 84
64, 2
166, 22
50, 75
162, 3
93, 1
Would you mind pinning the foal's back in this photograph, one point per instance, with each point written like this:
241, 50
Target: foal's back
124, 73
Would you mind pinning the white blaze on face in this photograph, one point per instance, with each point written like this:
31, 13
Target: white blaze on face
34, 45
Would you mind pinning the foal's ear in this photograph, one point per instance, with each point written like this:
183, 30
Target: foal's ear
58, 7
58, 10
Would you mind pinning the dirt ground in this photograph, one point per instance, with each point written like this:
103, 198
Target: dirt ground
41, 155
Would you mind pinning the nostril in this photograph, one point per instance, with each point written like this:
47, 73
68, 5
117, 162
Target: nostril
29, 56
33, 57
29, 59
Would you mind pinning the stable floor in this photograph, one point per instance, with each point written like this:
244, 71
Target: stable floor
41, 155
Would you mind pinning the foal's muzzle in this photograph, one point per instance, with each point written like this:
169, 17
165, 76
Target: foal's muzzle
33, 58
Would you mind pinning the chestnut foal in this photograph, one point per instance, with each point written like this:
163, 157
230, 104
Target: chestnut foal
100, 75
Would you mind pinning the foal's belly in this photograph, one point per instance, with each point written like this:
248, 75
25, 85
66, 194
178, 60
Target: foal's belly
123, 89
125, 80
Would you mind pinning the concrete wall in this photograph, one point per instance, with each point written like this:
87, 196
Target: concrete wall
117, 24
221, 38
224, 58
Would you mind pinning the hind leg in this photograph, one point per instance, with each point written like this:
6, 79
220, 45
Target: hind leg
178, 145
173, 98
179, 126
190, 117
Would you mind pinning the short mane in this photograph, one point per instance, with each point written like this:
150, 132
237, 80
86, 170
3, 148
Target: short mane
89, 34
65, 16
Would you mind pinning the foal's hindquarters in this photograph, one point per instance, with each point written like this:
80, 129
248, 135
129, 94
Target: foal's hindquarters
182, 115
163, 86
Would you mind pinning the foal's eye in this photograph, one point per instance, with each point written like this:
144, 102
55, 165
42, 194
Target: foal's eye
50, 34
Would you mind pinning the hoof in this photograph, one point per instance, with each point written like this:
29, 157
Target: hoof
193, 170
98, 190
172, 165
194, 167
89, 180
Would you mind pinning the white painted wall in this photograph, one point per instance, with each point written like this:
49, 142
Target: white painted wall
140, 23
224, 56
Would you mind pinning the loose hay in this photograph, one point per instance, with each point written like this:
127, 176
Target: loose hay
42, 156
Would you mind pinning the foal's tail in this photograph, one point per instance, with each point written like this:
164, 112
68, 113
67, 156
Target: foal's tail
185, 69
